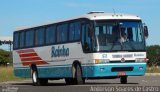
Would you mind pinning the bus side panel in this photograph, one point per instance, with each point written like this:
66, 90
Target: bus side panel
55, 71
22, 72
50, 66
59, 66
19, 69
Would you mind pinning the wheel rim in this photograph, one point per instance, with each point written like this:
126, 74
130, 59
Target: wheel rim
34, 77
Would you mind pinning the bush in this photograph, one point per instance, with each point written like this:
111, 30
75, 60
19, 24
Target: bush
5, 57
153, 54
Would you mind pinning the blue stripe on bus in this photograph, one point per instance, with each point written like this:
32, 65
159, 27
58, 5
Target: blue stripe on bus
55, 72
22, 72
90, 70
46, 72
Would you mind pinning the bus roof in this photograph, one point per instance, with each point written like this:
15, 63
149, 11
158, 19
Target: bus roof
93, 16
103, 16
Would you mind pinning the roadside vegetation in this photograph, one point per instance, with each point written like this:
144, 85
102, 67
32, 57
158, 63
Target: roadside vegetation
153, 69
153, 54
6, 74
5, 57
6, 69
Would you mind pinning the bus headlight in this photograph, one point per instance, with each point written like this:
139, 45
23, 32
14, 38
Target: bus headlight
101, 61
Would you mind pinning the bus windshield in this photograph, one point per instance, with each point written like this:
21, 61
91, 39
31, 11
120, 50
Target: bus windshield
118, 35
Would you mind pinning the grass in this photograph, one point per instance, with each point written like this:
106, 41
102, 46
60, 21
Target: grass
7, 74
153, 69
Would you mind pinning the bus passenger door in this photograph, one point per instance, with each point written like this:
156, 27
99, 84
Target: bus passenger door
86, 41
86, 45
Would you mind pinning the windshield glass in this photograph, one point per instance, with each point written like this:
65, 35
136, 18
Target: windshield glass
118, 35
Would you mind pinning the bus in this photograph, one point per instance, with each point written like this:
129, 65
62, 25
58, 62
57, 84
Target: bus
96, 45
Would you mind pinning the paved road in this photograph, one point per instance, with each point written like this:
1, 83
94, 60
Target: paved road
134, 84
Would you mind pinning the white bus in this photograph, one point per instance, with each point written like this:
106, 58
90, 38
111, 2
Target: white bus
95, 45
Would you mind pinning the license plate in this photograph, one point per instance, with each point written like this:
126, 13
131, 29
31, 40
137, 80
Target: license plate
121, 73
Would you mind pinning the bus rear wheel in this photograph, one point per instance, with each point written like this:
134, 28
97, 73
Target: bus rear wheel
123, 79
38, 81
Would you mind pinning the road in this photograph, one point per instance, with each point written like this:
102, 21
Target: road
141, 83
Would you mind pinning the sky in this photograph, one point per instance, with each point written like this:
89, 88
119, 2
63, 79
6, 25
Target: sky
15, 14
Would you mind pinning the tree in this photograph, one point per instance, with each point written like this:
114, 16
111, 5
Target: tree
5, 57
153, 54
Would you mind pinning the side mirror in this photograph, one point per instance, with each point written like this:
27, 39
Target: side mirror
146, 31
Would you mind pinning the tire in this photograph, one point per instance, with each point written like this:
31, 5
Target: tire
123, 80
70, 81
79, 79
38, 81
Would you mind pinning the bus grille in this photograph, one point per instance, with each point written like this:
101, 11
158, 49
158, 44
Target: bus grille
127, 61
120, 69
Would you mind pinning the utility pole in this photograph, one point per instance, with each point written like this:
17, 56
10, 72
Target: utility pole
7, 43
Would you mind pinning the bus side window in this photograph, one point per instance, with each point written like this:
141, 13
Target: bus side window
50, 34
62, 31
39, 36
29, 38
21, 40
74, 31
16, 40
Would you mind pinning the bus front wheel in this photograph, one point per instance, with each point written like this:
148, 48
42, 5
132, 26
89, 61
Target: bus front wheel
79, 78
70, 81
123, 79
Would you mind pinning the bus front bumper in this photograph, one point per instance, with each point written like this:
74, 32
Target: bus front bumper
114, 69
